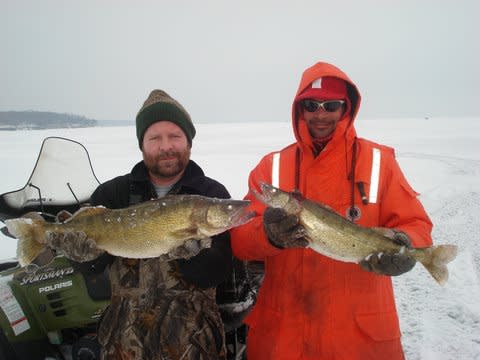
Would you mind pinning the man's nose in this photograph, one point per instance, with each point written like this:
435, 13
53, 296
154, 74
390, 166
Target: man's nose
165, 144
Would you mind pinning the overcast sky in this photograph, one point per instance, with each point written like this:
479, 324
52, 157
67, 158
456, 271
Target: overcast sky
237, 60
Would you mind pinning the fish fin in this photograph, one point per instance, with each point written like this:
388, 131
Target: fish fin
34, 216
29, 231
62, 216
88, 211
439, 256
188, 234
387, 232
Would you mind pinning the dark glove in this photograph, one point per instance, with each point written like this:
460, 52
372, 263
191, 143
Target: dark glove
75, 245
391, 264
283, 230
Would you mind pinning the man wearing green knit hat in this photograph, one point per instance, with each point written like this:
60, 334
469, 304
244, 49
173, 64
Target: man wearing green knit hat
164, 308
165, 132
160, 106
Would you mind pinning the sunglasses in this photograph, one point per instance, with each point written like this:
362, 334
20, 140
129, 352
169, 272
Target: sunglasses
328, 106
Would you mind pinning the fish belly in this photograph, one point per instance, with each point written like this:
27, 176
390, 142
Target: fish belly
337, 244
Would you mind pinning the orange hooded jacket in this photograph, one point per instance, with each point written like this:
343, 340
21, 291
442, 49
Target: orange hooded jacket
310, 306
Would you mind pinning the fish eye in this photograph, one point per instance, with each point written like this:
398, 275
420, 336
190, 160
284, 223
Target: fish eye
230, 207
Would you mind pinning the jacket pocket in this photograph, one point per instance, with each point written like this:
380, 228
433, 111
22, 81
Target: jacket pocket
379, 326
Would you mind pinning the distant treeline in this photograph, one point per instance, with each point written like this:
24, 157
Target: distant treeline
23, 120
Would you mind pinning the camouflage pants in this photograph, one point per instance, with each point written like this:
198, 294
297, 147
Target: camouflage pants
172, 323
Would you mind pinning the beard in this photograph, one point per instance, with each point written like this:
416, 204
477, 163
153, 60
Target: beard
167, 164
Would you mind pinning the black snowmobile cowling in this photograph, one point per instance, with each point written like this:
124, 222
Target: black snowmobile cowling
51, 309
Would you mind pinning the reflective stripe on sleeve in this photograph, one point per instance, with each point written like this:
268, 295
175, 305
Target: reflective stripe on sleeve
375, 177
276, 170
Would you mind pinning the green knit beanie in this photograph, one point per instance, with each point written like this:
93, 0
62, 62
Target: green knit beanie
159, 106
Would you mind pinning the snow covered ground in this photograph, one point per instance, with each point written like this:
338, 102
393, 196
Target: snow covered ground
440, 157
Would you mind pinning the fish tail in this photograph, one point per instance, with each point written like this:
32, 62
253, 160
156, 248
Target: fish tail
30, 234
436, 259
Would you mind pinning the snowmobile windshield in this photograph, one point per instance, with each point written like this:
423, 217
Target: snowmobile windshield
62, 179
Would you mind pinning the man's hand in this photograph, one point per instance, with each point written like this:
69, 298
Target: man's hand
391, 264
75, 245
283, 230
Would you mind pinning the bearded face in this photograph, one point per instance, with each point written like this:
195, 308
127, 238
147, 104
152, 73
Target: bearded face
166, 152
167, 164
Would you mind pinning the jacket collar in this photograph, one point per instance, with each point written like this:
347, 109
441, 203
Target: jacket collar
186, 184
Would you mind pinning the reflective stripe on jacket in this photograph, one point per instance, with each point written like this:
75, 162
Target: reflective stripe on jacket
310, 306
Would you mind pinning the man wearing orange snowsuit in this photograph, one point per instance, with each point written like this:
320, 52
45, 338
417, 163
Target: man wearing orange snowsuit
311, 306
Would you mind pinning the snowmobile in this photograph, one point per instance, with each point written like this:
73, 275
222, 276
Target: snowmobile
51, 309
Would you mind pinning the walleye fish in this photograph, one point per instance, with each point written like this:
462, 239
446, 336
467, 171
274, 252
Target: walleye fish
145, 230
338, 238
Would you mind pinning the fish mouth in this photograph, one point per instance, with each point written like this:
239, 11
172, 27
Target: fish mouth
274, 197
267, 193
241, 215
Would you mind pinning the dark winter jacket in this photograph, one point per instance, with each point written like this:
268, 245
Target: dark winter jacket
164, 309
207, 269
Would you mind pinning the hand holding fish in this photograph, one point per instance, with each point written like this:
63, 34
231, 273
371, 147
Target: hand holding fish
391, 264
74, 245
283, 230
